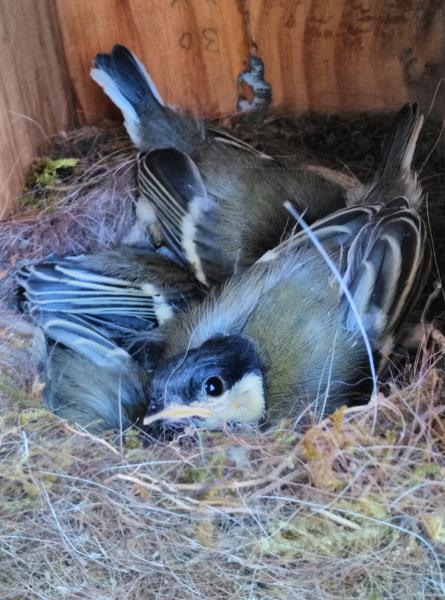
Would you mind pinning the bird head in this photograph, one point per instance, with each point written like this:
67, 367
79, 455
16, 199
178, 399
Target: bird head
219, 382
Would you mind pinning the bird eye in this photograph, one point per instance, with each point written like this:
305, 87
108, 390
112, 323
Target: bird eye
214, 386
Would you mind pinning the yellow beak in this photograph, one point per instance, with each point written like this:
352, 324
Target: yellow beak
178, 412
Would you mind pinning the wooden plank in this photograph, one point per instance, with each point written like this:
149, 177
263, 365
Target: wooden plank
35, 97
349, 55
193, 50
324, 55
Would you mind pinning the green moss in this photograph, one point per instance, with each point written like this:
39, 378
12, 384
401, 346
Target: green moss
210, 473
10, 390
434, 526
42, 181
133, 440
33, 418
429, 470
304, 536
368, 506
47, 172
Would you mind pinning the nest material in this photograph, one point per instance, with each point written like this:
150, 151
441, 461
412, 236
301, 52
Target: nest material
352, 507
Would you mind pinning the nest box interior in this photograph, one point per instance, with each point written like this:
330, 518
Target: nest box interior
326, 56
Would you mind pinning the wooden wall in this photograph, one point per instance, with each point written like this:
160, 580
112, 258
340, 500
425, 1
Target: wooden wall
325, 55
319, 54
35, 95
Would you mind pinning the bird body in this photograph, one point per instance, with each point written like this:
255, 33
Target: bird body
97, 397
291, 312
218, 200
270, 305
101, 313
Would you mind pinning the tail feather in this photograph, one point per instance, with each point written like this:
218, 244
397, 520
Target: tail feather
149, 123
395, 177
400, 142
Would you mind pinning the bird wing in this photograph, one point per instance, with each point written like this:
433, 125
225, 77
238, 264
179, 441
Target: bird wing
94, 312
187, 215
387, 267
381, 252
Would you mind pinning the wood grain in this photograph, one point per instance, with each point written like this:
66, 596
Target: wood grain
323, 55
35, 97
193, 50
347, 55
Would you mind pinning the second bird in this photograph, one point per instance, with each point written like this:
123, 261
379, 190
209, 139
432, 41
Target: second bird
219, 202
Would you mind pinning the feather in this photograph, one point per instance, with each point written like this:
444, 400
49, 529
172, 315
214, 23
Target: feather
187, 215
225, 137
400, 142
149, 123
111, 299
394, 177
73, 333
382, 253
109, 396
387, 265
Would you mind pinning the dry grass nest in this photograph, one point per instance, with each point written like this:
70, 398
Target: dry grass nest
352, 507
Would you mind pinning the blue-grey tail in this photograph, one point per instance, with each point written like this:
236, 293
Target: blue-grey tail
400, 142
395, 176
149, 123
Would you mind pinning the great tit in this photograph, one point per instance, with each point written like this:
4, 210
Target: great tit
288, 335
219, 202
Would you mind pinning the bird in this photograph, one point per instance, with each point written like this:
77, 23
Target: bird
218, 201
309, 323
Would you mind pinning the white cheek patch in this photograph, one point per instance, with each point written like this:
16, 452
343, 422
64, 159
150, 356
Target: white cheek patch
243, 403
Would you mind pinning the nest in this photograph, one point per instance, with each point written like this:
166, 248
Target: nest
352, 507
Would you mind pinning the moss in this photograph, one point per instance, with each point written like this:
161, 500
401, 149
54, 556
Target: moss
306, 536
47, 172
32, 419
9, 389
132, 441
433, 470
41, 184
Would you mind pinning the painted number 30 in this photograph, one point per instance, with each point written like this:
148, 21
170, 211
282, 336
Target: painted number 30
209, 36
